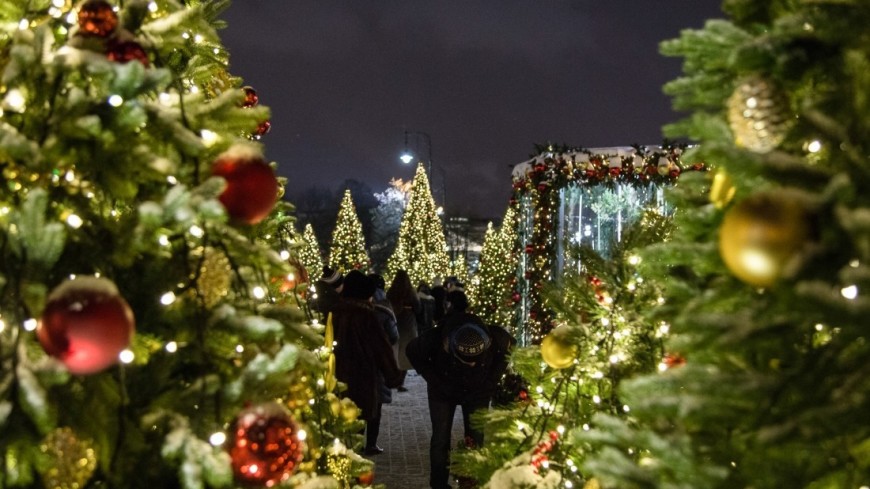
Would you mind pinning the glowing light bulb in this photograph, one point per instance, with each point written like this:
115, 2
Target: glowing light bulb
217, 438
849, 292
258, 292
116, 100
126, 356
172, 347
167, 298
30, 324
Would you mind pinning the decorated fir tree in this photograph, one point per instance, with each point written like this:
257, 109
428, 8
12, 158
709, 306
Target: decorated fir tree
766, 275
144, 337
309, 253
602, 337
422, 247
491, 289
348, 251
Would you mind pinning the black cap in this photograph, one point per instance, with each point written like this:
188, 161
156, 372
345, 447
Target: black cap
357, 286
469, 341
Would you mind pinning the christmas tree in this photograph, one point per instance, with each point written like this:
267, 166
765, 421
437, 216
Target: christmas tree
602, 338
309, 253
348, 250
491, 289
422, 247
766, 276
145, 340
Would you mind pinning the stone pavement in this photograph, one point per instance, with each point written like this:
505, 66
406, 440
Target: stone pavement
405, 432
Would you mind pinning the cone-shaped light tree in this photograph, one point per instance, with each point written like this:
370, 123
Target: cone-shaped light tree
491, 290
348, 251
144, 340
767, 274
422, 247
309, 253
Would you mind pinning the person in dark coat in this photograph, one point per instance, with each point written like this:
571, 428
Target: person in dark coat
327, 291
406, 305
426, 317
438, 293
387, 318
462, 360
362, 349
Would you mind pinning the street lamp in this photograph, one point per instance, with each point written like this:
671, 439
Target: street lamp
408, 156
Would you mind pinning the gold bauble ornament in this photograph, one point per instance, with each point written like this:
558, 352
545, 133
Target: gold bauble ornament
72, 461
557, 349
758, 114
761, 234
349, 411
722, 190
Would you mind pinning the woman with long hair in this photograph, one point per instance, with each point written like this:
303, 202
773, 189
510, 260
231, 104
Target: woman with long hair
406, 306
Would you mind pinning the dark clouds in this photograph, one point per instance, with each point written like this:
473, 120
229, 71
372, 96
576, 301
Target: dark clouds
485, 79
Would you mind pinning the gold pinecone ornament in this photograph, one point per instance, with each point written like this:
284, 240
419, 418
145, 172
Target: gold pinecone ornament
70, 461
758, 114
215, 275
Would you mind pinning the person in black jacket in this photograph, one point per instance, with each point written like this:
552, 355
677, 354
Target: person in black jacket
327, 289
462, 360
363, 356
387, 319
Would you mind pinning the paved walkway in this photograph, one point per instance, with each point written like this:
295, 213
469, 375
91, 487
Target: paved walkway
405, 432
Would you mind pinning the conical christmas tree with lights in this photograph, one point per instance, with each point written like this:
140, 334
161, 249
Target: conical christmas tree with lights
767, 274
309, 252
348, 251
602, 337
146, 337
491, 290
422, 247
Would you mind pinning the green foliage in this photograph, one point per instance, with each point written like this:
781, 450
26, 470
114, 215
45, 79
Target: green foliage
768, 397
106, 171
605, 308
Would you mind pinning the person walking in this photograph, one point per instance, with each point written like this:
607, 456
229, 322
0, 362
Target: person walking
406, 305
362, 350
462, 360
387, 319
426, 318
327, 290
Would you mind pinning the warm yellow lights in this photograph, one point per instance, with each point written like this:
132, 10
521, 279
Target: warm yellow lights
172, 347
217, 438
196, 231
167, 298
30, 324
126, 356
116, 100
208, 137
74, 221
814, 146
14, 100
258, 292
850, 292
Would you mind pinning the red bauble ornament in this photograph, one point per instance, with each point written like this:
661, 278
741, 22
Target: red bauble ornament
516, 297
530, 248
672, 360
251, 97
86, 324
366, 478
124, 51
266, 449
262, 129
252, 188
97, 18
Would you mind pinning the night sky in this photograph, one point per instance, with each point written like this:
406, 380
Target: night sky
486, 80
